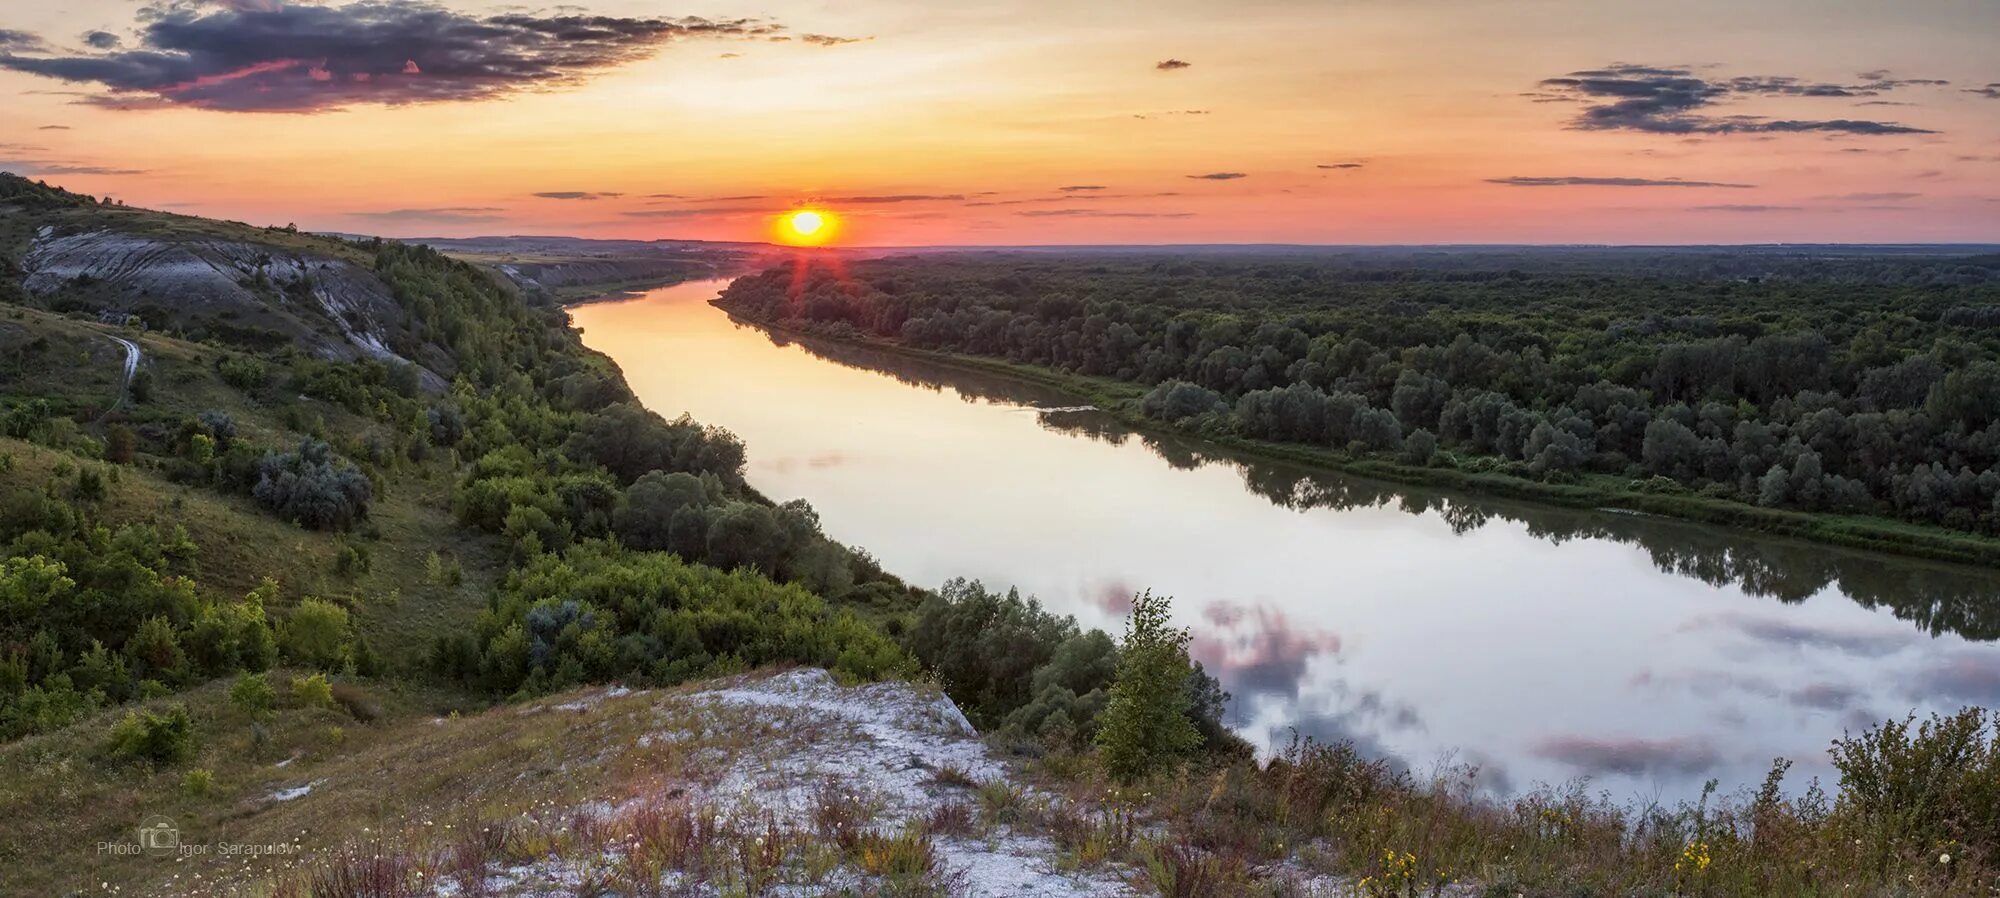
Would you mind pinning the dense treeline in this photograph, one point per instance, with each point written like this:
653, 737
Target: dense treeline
1841, 395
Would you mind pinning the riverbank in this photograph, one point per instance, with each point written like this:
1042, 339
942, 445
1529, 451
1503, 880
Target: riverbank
1119, 400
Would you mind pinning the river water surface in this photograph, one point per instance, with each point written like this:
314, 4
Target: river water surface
1542, 645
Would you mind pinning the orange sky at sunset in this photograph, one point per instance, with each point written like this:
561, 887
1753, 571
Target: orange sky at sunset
1353, 121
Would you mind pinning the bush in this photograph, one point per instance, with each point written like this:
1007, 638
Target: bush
312, 691
313, 487
253, 694
199, 782
1146, 725
243, 372
599, 612
317, 634
986, 646
154, 738
352, 560
1939, 782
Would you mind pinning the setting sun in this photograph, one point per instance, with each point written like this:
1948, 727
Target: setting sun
806, 227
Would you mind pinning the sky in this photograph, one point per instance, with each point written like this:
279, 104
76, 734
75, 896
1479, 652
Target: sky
1169, 121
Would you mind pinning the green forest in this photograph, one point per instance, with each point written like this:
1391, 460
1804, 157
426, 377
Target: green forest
1843, 386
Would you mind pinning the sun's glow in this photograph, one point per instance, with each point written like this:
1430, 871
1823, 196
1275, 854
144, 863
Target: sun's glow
806, 227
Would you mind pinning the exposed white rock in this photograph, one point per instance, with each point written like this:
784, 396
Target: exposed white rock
209, 277
885, 742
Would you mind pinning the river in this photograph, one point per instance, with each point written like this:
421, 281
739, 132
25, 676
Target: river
1543, 645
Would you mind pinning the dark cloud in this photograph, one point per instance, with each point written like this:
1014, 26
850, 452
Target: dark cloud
53, 128
1076, 187
577, 195
1990, 91
1887, 197
1172, 64
1966, 676
436, 215
1339, 165
39, 168
829, 40
1520, 181
1219, 176
254, 57
684, 198
1113, 597
102, 40
691, 213
1750, 208
1710, 682
1258, 649
893, 198
1093, 213
1630, 757
1797, 634
1824, 696
1674, 100
12, 41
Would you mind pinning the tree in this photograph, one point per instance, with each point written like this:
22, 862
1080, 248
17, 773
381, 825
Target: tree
645, 519
317, 634
1969, 396
1418, 398
1671, 449
746, 534
1376, 429
1420, 447
1146, 725
119, 444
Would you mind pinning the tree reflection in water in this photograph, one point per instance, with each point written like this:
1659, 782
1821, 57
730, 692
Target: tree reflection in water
1936, 597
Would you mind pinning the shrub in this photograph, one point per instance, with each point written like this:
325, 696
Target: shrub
1146, 724
154, 738
252, 693
352, 560
312, 486
317, 634
986, 646
1938, 782
599, 612
243, 372
199, 782
312, 691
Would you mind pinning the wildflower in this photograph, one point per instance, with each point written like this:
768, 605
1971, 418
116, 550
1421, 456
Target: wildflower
1944, 858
